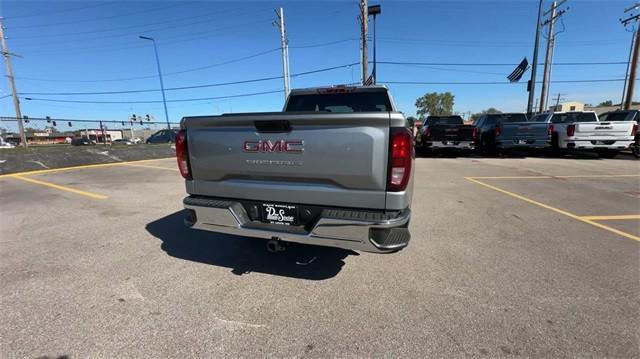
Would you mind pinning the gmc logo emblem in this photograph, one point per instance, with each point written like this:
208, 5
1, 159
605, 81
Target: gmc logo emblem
290, 146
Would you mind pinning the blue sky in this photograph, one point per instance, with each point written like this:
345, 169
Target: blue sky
75, 46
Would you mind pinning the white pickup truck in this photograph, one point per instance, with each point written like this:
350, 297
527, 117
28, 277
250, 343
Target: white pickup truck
583, 130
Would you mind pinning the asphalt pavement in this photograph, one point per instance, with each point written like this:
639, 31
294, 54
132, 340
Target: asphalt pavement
528, 257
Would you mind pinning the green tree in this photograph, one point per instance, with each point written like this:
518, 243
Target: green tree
490, 110
606, 103
412, 120
435, 103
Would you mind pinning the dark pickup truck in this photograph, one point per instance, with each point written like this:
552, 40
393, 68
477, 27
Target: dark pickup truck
445, 132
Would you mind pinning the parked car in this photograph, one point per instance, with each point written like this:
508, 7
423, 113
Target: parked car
583, 130
445, 132
122, 141
82, 141
333, 169
5, 144
488, 127
163, 136
623, 116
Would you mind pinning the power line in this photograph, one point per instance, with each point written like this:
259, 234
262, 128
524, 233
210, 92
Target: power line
323, 44
499, 64
187, 87
494, 82
181, 39
145, 11
157, 101
158, 28
164, 74
110, 29
59, 11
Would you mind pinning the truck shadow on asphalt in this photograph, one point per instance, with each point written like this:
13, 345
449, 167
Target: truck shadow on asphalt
245, 255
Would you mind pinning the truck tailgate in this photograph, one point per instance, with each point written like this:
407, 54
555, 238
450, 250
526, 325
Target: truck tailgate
451, 132
316, 158
586, 130
523, 131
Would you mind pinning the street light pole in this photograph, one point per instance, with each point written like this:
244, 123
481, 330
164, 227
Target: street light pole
164, 99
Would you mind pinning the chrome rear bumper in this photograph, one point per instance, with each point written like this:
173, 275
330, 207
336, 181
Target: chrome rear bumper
364, 230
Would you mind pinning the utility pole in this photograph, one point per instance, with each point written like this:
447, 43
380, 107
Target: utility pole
626, 73
632, 73
558, 98
284, 45
551, 39
364, 19
534, 63
548, 59
16, 101
634, 58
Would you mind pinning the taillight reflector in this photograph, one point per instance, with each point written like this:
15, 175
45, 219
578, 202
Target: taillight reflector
550, 130
427, 132
182, 154
634, 130
498, 131
571, 130
400, 158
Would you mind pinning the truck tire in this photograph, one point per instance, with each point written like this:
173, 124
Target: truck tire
555, 145
636, 151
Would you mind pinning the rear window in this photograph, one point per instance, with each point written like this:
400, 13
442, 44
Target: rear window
509, 117
370, 101
539, 118
574, 117
444, 120
617, 116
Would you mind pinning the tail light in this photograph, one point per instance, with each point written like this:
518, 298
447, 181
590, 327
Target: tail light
475, 133
634, 130
400, 157
498, 131
571, 130
182, 154
427, 133
550, 130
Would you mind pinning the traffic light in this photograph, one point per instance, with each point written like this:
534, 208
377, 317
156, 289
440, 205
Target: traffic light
48, 119
54, 123
147, 117
70, 124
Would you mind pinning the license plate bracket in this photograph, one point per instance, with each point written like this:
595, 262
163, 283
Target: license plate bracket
282, 214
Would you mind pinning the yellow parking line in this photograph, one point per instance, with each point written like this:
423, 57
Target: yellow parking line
552, 177
554, 209
62, 188
98, 165
150, 166
611, 218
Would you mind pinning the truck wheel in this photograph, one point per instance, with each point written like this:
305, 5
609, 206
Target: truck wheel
555, 145
635, 149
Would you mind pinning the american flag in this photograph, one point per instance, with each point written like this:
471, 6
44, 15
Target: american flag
516, 75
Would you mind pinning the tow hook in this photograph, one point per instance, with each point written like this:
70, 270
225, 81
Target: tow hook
275, 245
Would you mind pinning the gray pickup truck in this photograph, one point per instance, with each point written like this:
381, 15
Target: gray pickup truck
333, 169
